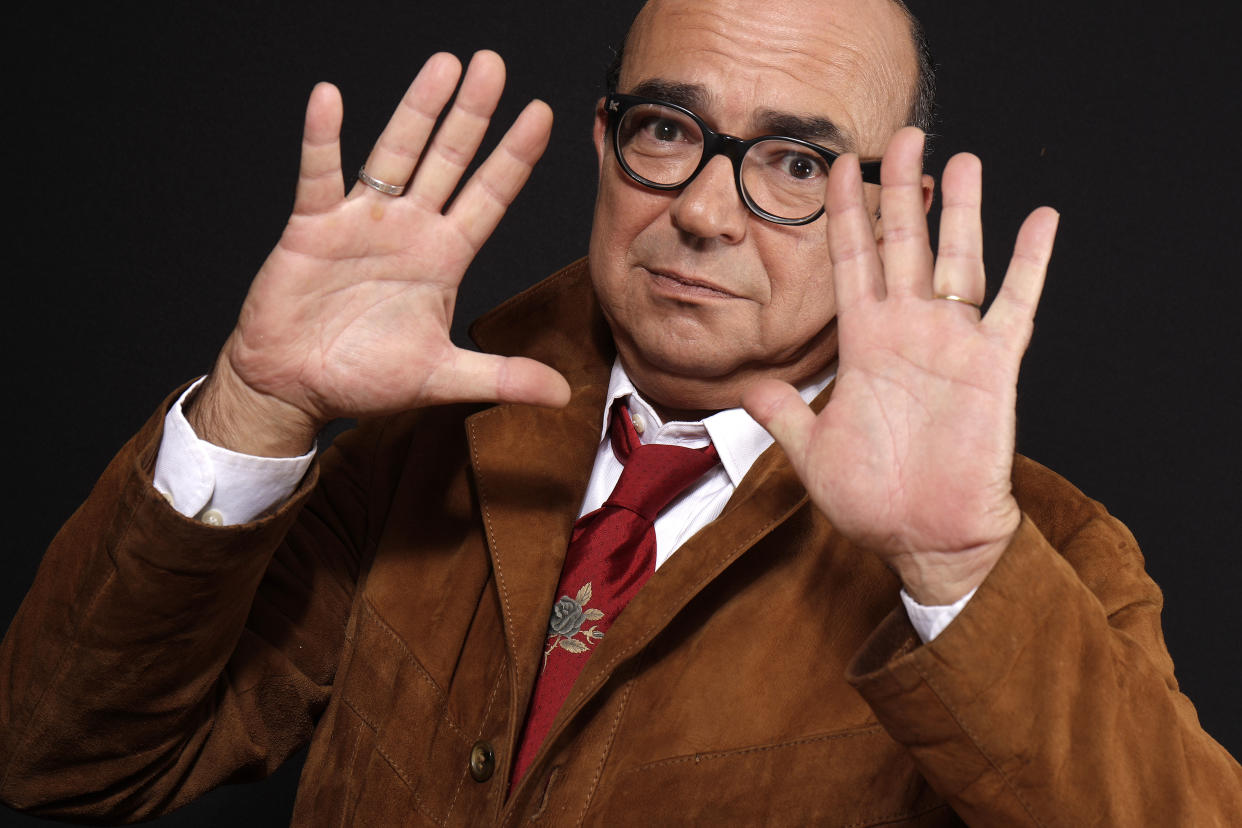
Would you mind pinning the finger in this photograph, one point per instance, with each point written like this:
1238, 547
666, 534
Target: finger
400, 145
319, 176
492, 188
959, 259
462, 131
1012, 314
778, 408
857, 274
477, 377
907, 250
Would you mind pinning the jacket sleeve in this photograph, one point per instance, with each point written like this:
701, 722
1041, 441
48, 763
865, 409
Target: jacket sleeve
156, 657
1051, 700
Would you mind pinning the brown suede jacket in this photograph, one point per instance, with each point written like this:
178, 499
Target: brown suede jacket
394, 615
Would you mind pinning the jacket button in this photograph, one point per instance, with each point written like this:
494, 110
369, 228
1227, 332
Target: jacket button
482, 761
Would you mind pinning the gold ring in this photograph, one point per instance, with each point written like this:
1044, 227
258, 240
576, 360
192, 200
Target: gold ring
953, 297
382, 186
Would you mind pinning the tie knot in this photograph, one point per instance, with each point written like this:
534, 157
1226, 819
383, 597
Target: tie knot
654, 475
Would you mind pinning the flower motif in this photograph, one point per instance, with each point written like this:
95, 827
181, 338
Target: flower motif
567, 617
565, 623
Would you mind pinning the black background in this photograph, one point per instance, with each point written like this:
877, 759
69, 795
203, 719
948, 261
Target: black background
153, 154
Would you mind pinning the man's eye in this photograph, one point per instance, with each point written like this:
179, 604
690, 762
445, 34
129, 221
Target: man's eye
663, 129
802, 166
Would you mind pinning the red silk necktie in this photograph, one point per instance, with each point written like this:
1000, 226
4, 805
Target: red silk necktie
612, 553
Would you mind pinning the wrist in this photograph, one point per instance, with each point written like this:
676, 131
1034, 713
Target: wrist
936, 579
227, 412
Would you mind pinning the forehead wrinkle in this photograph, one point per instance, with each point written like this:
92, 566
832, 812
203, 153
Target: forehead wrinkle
845, 66
776, 40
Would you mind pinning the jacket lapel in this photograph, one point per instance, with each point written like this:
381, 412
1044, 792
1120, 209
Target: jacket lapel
531, 467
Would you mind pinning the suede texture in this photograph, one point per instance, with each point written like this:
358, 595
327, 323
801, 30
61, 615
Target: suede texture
393, 614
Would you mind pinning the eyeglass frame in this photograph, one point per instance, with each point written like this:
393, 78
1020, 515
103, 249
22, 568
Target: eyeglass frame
716, 143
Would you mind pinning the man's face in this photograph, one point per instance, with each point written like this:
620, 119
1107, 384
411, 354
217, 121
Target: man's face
704, 297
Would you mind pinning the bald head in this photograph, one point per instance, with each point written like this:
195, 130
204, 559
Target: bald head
919, 100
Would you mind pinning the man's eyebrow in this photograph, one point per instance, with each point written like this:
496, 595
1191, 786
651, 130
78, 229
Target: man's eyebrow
693, 96
815, 129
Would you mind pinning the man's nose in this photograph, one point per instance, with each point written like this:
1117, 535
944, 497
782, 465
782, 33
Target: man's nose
710, 206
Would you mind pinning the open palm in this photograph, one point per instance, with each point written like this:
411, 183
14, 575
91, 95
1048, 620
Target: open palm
350, 314
912, 456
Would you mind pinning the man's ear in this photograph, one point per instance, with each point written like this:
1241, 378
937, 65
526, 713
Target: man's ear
600, 132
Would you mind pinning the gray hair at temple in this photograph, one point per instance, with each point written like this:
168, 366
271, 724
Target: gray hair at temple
923, 105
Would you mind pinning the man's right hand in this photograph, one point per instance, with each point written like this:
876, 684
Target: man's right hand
350, 314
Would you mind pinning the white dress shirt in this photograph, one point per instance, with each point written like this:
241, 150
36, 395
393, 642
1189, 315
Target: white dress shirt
222, 487
739, 441
217, 486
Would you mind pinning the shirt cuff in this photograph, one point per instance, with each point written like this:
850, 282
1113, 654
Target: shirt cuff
217, 486
929, 622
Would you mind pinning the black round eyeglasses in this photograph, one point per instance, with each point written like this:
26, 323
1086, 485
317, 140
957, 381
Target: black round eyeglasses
664, 146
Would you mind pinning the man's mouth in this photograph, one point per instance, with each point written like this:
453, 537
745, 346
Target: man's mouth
685, 285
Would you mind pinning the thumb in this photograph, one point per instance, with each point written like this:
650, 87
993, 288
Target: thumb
489, 378
778, 408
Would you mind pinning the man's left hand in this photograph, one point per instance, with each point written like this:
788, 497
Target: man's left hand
913, 454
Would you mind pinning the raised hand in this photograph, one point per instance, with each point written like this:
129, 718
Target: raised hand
350, 314
913, 453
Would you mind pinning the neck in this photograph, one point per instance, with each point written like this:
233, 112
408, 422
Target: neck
684, 415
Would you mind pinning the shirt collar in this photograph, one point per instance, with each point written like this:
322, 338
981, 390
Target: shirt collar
739, 440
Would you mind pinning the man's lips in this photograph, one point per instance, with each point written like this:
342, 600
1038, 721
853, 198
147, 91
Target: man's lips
688, 285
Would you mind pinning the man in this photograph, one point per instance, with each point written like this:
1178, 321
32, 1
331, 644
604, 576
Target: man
398, 609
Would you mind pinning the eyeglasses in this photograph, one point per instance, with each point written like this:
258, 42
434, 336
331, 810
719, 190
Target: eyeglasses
664, 146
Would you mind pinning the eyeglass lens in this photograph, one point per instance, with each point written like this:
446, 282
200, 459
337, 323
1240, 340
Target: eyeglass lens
664, 146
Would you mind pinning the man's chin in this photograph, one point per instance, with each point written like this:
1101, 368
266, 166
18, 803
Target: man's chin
686, 385
706, 380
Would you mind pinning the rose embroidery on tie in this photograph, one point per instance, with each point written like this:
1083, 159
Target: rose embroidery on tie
565, 623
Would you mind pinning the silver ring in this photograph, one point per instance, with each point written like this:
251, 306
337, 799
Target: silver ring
382, 186
953, 297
